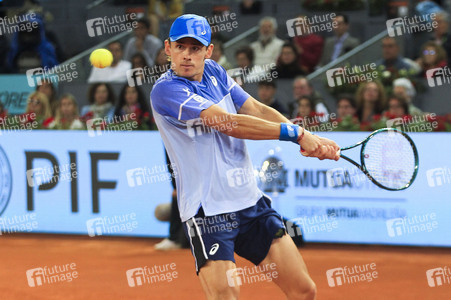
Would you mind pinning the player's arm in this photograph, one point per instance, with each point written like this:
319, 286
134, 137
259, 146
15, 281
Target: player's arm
253, 107
250, 127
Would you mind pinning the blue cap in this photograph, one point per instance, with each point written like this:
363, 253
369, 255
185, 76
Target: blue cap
193, 26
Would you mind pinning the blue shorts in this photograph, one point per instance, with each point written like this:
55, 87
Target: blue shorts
248, 232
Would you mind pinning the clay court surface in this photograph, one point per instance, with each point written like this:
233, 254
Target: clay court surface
101, 263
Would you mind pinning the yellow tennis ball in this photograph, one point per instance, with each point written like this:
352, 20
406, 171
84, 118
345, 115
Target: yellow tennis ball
101, 58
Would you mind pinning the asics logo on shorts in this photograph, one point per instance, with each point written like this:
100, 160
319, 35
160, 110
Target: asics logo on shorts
214, 249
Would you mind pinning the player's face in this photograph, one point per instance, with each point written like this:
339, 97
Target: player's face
188, 57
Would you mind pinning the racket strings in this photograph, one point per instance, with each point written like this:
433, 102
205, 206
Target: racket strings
390, 159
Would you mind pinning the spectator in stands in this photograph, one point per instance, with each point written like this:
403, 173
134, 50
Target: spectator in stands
302, 87
246, 71
101, 99
371, 100
310, 47
339, 44
138, 61
397, 107
162, 64
267, 48
31, 49
346, 107
162, 10
392, 60
441, 35
432, 56
218, 55
266, 95
250, 7
38, 110
132, 105
288, 62
48, 88
306, 107
66, 116
404, 88
143, 42
114, 73
244, 57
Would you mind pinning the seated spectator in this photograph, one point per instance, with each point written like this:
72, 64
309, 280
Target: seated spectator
267, 48
250, 7
404, 88
306, 107
66, 116
244, 57
346, 107
392, 60
310, 47
288, 62
218, 55
440, 34
340, 43
397, 107
48, 88
38, 110
246, 71
114, 73
266, 95
302, 87
371, 99
132, 105
31, 49
143, 42
162, 64
432, 56
101, 99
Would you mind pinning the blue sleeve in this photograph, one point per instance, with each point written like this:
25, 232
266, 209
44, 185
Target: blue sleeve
176, 99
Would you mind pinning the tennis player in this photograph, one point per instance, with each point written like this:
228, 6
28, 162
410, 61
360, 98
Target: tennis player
204, 117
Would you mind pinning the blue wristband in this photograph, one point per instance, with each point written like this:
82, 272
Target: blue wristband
289, 132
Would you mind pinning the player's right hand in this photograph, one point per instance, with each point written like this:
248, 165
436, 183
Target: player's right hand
322, 148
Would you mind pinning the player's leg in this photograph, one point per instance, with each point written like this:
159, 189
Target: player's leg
214, 281
292, 275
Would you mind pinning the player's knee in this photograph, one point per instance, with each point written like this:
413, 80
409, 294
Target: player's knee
303, 292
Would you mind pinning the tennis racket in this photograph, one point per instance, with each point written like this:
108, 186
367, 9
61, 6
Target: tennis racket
388, 157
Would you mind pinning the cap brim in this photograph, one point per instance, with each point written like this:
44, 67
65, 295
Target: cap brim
203, 41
